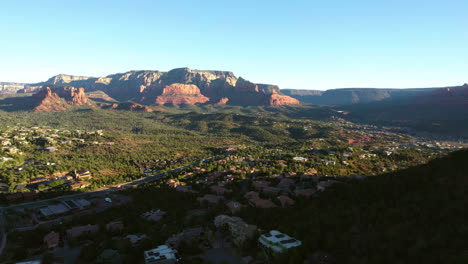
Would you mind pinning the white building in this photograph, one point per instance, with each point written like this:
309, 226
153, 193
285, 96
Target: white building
278, 242
161, 255
302, 159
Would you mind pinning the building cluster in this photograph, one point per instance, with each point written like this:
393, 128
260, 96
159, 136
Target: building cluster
63, 207
73, 180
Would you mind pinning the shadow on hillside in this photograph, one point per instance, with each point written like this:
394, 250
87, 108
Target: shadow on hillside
11, 104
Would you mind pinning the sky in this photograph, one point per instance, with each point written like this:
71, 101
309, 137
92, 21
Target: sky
303, 44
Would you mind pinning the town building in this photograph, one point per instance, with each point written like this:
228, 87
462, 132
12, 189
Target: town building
277, 242
161, 255
77, 231
81, 175
52, 239
154, 215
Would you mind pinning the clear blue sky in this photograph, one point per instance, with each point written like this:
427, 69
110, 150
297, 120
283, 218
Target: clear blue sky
296, 44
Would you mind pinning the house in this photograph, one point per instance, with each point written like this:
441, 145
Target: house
219, 190
212, 199
285, 200
77, 231
189, 235
262, 203
136, 238
234, 206
154, 215
161, 255
52, 239
82, 175
277, 242
115, 226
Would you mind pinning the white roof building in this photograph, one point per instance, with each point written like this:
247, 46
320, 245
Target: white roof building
278, 242
161, 255
300, 159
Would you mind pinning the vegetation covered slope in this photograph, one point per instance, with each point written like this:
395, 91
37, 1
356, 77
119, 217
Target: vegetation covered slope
411, 216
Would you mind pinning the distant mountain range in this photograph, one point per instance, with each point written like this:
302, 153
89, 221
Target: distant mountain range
186, 86
178, 86
349, 96
443, 109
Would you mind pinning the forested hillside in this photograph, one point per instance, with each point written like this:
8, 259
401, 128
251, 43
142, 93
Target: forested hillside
412, 216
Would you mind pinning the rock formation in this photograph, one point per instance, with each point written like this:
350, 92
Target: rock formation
223, 101
280, 99
11, 88
59, 98
155, 87
128, 106
178, 93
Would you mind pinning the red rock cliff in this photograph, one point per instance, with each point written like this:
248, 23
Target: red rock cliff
59, 99
178, 93
280, 99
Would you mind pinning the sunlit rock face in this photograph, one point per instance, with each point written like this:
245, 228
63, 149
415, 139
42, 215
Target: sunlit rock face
177, 86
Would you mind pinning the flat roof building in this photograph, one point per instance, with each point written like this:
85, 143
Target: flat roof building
278, 242
161, 255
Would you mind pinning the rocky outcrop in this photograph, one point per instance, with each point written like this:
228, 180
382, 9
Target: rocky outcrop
11, 88
178, 93
50, 99
100, 96
150, 87
280, 99
246, 92
129, 107
223, 101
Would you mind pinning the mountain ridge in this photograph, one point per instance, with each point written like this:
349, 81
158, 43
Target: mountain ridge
146, 86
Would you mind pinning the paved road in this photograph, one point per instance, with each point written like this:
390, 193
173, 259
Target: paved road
99, 192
